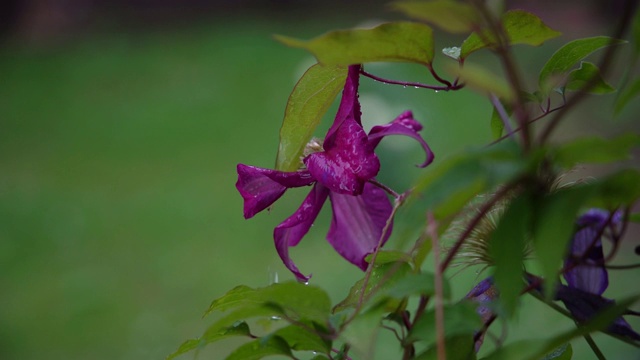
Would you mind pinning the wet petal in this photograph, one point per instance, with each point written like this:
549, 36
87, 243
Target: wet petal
584, 305
406, 125
261, 187
290, 232
357, 223
349, 106
349, 164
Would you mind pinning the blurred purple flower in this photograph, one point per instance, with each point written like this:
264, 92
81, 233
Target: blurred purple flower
584, 305
342, 173
484, 294
585, 263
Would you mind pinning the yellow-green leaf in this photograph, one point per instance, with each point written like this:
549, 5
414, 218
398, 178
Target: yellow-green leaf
390, 42
309, 101
451, 16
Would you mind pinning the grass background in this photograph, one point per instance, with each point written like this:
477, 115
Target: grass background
119, 219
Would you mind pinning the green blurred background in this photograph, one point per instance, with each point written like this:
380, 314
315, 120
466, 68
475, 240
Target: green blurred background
120, 131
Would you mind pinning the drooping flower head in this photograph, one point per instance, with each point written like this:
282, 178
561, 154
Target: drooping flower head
342, 172
584, 266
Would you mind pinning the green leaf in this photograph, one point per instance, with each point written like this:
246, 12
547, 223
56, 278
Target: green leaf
591, 150
635, 30
415, 284
308, 102
449, 185
362, 332
497, 123
553, 227
506, 248
563, 352
448, 15
262, 347
520, 26
536, 349
238, 329
635, 217
295, 300
568, 56
620, 189
456, 347
482, 80
382, 277
396, 41
388, 256
305, 338
588, 74
459, 319
627, 95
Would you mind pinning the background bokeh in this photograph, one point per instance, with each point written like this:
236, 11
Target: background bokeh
121, 123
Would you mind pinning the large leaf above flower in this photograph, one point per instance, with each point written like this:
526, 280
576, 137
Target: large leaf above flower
396, 41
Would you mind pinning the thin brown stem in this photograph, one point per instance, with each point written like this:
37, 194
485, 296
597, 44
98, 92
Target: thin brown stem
448, 87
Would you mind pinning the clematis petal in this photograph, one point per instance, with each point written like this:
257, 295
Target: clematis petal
404, 124
584, 305
262, 187
357, 223
484, 293
349, 106
290, 232
349, 164
585, 269
588, 275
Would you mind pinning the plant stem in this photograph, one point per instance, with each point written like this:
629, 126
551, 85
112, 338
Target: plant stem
594, 347
432, 230
414, 84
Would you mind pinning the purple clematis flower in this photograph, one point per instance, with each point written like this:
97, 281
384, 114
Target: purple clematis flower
585, 264
341, 172
484, 294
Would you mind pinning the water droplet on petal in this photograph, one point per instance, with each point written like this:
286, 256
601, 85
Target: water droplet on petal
306, 282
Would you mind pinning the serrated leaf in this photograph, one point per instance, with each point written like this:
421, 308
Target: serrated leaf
459, 319
456, 347
308, 102
396, 41
569, 55
382, 277
302, 338
448, 15
626, 96
563, 352
588, 75
553, 227
260, 348
520, 26
595, 150
506, 248
482, 80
